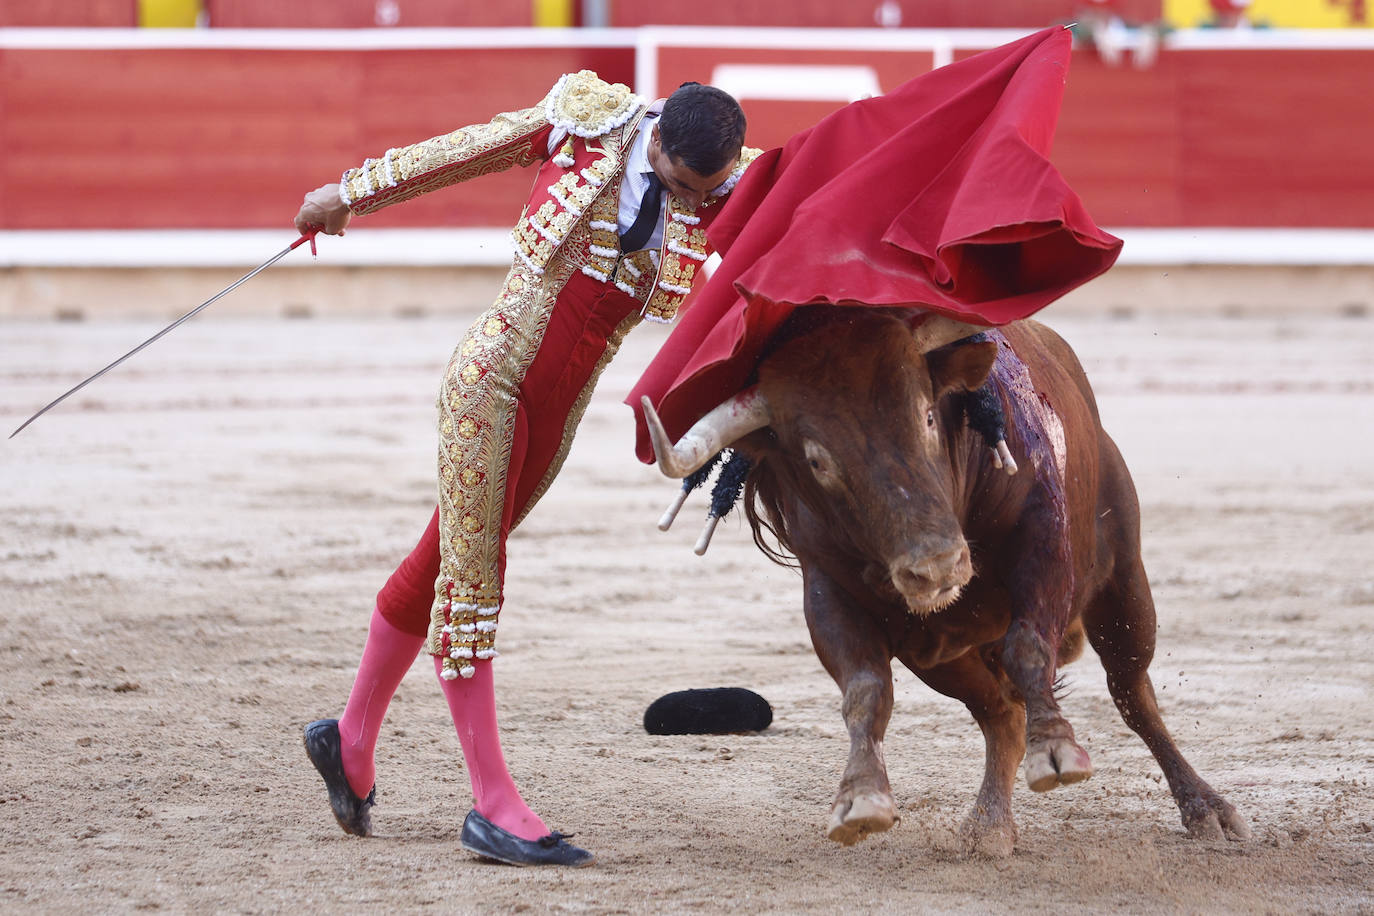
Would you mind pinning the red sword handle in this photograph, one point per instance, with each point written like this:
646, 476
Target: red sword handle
307, 236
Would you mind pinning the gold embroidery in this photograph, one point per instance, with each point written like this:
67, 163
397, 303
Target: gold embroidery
478, 398
507, 141
475, 437
477, 425
586, 105
606, 241
678, 272
663, 305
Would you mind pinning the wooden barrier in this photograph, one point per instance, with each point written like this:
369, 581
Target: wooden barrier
228, 131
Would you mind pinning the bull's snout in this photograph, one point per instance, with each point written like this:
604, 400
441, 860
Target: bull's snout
931, 579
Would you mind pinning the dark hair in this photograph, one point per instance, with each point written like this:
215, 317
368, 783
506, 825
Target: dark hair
701, 127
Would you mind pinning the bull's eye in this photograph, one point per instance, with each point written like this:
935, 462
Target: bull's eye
821, 464
930, 419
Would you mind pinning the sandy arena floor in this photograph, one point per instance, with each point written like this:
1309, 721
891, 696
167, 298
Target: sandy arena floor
188, 553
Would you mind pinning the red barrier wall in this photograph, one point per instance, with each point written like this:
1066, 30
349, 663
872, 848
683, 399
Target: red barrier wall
771, 122
362, 14
1223, 138
68, 13
231, 138
1203, 138
933, 14
925, 14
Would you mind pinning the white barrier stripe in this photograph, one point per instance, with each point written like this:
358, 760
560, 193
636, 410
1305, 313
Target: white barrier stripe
247, 247
1248, 246
646, 63
481, 247
1269, 39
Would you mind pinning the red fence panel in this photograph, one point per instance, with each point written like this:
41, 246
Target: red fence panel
923, 14
230, 137
65, 14
1214, 136
364, 14
772, 120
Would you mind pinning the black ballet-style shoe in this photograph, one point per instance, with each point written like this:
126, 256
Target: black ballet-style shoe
322, 746
489, 841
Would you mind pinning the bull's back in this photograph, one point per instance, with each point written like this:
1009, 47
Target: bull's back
1055, 361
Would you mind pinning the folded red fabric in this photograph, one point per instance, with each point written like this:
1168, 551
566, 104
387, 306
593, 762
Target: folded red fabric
938, 194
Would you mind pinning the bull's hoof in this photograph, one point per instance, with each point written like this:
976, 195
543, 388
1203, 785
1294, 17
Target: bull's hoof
1054, 763
853, 819
1215, 819
987, 839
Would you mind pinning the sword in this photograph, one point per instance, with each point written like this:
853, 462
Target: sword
309, 236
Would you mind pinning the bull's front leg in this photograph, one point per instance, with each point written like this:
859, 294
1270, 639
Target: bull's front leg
1053, 756
857, 655
989, 830
1041, 583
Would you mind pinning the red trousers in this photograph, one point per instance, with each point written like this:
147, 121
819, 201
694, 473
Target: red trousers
584, 320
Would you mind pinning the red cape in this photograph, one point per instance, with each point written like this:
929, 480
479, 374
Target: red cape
937, 194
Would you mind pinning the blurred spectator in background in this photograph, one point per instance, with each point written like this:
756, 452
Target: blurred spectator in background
1100, 26
888, 14
1230, 14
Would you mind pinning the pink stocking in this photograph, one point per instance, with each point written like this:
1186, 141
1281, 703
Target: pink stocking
472, 702
386, 659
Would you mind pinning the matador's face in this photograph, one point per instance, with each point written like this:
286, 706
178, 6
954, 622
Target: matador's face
685, 183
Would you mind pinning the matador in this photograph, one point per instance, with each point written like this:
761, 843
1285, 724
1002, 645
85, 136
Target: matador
614, 232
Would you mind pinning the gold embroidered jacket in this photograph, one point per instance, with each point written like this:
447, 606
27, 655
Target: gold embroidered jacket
572, 209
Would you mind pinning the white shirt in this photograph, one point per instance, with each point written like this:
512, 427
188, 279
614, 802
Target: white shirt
636, 180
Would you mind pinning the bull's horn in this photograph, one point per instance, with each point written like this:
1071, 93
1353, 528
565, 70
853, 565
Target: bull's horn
937, 330
739, 416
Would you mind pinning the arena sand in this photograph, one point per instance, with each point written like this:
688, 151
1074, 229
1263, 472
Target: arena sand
188, 554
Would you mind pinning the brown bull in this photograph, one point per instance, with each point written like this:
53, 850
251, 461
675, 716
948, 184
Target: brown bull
914, 546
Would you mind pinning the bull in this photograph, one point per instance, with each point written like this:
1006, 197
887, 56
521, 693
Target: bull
914, 545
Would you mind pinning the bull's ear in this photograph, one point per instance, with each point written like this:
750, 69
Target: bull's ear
960, 366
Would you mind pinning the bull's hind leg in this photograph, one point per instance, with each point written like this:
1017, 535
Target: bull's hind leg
1121, 628
857, 656
989, 830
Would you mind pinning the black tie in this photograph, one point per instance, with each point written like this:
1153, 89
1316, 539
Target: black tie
635, 237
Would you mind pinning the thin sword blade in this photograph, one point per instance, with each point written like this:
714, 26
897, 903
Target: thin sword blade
167, 330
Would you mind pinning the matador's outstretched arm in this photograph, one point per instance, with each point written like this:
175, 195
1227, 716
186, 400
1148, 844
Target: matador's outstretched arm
515, 138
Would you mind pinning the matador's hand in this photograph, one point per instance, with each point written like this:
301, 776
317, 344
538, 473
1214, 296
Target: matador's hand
324, 210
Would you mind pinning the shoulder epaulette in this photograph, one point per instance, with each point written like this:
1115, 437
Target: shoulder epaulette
584, 104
